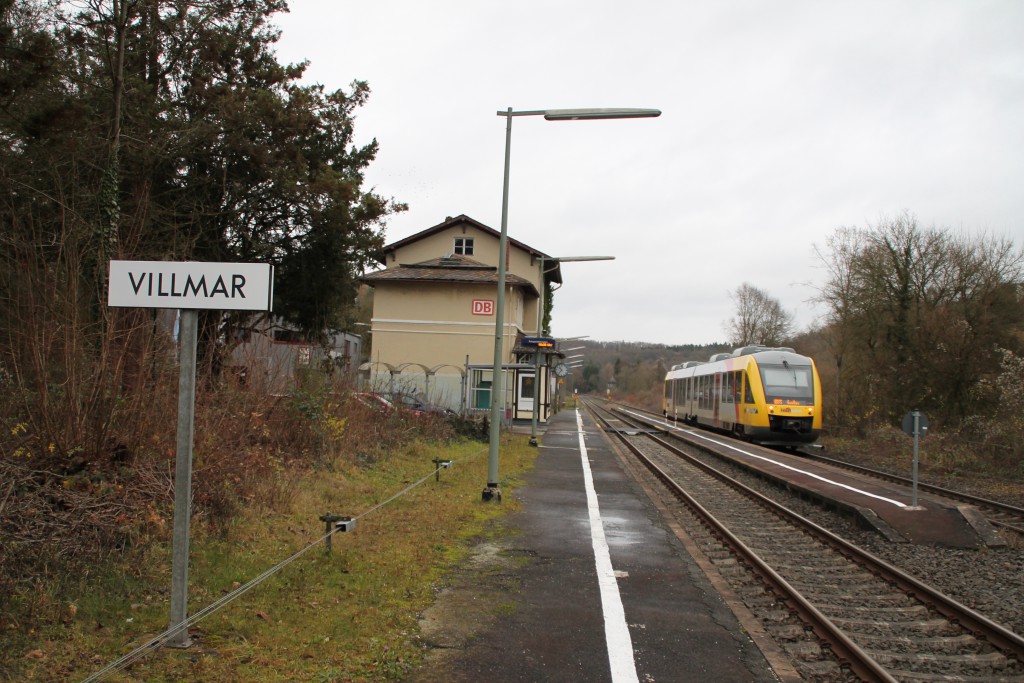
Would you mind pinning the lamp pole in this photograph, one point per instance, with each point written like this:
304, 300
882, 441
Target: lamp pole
492, 491
540, 331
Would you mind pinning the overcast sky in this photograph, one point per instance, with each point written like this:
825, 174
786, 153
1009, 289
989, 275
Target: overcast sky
782, 121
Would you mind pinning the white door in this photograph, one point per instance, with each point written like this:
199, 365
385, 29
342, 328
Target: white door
525, 398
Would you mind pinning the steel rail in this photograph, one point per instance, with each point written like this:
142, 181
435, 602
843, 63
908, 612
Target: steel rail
845, 650
981, 626
978, 501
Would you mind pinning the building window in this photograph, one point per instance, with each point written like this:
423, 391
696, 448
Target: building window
288, 336
464, 246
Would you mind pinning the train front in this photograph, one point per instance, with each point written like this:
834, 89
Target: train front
792, 398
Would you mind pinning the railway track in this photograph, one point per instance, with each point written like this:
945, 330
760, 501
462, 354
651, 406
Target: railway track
1001, 515
875, 621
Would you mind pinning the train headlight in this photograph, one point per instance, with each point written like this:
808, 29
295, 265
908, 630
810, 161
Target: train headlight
810, 411
771, 409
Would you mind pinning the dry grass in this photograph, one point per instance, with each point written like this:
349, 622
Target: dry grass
350, 616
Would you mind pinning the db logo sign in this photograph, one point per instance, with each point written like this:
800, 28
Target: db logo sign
483, 307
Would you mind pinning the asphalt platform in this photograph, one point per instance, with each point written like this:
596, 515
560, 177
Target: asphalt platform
598, 587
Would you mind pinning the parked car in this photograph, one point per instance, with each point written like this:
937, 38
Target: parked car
418, 406
375, 401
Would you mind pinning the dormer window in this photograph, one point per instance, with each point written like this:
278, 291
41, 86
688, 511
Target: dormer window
463, 246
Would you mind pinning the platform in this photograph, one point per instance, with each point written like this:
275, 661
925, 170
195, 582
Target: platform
884, 506
596, 586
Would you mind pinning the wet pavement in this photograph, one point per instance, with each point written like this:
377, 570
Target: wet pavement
589, 584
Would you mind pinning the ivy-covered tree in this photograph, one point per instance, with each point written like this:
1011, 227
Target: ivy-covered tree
918, 316
162, 130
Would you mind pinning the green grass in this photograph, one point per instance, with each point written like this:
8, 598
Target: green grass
350, 616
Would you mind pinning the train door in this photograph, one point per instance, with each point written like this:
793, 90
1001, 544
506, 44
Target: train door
716, 397
690, 392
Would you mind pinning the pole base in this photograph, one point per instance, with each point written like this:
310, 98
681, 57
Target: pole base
533, 441
179, 642
492, 492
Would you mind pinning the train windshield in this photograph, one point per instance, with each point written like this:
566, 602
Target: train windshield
788, 384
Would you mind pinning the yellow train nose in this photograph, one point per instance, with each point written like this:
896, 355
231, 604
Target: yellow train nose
795, 411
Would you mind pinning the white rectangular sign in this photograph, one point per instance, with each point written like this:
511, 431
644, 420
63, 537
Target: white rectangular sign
191, 284
483, 306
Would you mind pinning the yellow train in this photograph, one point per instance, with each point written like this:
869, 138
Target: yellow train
770, 396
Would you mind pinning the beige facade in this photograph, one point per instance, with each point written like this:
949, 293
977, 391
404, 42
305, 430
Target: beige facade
433, 320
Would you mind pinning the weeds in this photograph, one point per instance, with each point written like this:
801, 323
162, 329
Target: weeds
72, 511
348, 616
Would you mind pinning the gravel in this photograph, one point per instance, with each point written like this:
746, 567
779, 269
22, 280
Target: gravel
988, 580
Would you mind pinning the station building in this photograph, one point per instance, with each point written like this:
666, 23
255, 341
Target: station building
433, 326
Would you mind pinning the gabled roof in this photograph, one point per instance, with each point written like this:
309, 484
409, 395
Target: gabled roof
555, 275
447, 269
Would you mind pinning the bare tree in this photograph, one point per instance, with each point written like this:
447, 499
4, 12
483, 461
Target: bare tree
759, 319
915, 317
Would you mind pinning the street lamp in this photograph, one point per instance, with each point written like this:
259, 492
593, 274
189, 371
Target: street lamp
492, 490
540, 331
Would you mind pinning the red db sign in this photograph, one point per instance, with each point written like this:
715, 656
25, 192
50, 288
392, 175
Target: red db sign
483, 307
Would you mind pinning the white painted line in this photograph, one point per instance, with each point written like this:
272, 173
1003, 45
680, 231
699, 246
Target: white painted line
616, 632
776, 462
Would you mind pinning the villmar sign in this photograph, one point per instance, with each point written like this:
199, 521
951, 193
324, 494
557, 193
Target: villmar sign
188, 286
191, 285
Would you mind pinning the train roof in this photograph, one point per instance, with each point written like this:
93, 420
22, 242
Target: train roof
760, 354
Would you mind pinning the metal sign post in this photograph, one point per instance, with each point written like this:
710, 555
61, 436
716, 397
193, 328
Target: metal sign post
188, 286
183, 476
915, 423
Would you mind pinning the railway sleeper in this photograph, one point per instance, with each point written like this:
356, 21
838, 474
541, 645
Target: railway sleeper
913, 676
889, 629
944, 663
833, 573
953, 643
845, 596
896, 615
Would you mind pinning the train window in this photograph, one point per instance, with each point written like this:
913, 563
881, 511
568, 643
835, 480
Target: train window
748, 394
788, 383
729, 378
